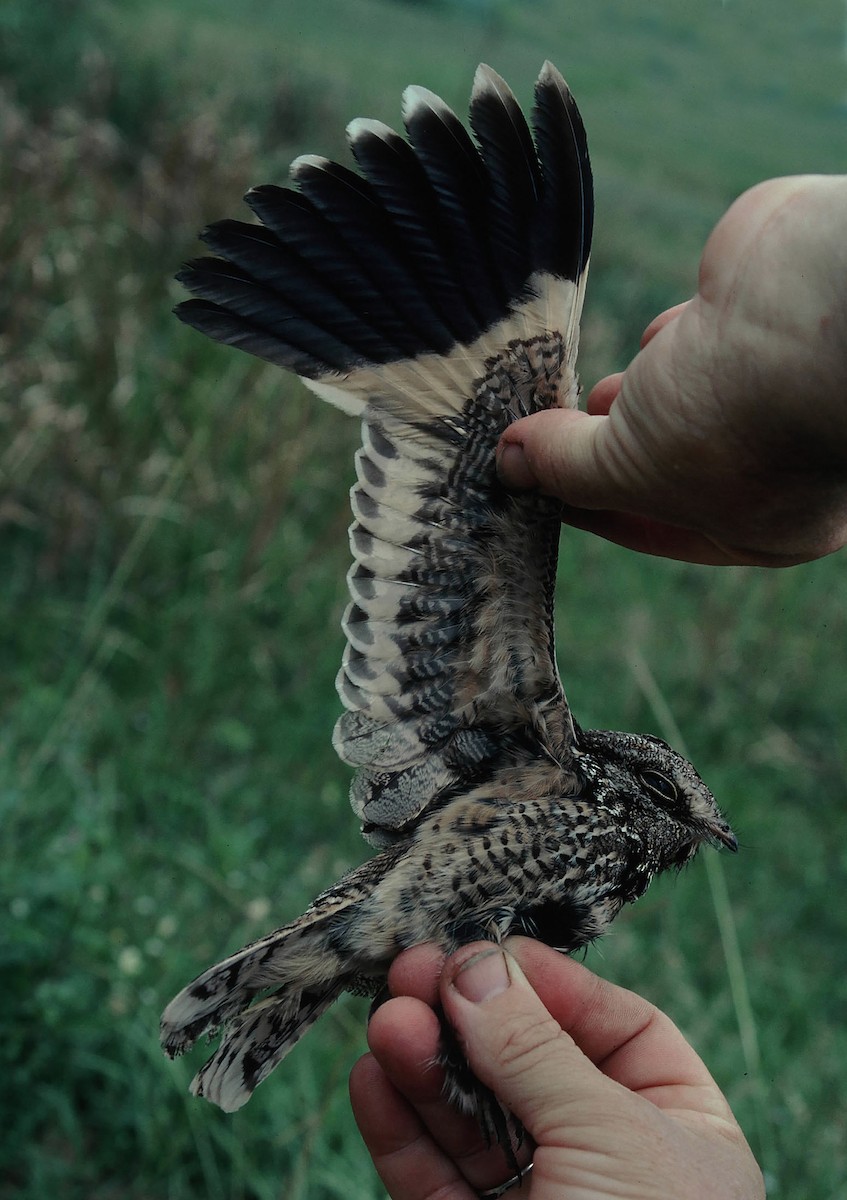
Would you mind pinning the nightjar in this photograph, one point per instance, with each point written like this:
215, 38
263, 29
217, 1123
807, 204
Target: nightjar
436, 295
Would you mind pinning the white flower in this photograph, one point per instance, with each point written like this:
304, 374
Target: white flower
130, 960
258, 909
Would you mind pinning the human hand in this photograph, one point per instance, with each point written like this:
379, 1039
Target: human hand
725, 439
612, 1096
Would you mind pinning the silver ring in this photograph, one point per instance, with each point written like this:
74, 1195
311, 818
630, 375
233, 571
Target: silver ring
495, 1193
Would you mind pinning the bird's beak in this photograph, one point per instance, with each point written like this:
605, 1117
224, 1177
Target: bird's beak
723, 835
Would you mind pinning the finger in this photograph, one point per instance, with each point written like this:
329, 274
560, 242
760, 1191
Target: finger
653, 537
409, 1162
562, 452
518, 1049
603, 395
577, 457
663, 319
416, 972
524, 1043
628, 1039
672, 541
404, 1036
631, 1040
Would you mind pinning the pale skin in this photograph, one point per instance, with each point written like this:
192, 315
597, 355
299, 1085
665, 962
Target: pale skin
616, 1104
723, 442
725, 439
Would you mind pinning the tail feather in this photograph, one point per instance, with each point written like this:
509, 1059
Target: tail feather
308, 963
299, 954
257, 1042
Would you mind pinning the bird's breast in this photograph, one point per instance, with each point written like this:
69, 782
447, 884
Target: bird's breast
485, 867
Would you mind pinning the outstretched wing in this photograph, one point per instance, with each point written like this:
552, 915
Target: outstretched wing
437, 295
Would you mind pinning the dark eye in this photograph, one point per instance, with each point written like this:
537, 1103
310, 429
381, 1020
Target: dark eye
662, 788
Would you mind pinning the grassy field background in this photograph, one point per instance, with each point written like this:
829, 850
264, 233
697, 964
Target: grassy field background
173, 550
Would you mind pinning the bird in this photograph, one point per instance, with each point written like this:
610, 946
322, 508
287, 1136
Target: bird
435, 293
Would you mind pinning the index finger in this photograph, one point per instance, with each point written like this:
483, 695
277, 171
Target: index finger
646, 536
663, 319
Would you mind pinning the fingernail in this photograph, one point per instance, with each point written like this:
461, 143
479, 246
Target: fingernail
513, 468
483, 976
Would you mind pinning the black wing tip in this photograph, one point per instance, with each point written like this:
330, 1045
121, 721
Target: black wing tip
197, 271
488, 80
552, 83
564, 232
199, 314
550, 74
301, 165
416, 97
485, 77
187, 274
498, 233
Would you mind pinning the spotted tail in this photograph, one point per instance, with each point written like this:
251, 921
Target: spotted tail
307, 963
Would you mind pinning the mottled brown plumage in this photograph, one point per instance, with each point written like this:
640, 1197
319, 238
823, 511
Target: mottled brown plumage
438, 297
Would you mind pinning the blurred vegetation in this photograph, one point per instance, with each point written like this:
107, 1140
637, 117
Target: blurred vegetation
172, 523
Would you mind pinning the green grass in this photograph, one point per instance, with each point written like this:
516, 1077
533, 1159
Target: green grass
173, 549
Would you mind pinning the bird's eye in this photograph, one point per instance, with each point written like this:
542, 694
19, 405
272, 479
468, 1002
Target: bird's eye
660, 786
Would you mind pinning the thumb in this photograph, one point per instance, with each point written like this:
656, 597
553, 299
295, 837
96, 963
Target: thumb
519, 1050
564, 453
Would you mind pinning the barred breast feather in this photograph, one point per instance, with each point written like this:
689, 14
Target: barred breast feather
436, 294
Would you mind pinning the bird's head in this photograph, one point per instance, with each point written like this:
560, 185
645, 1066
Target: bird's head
655, 793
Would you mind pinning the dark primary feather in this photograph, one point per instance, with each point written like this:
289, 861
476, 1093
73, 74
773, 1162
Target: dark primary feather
398, 177
354, 210
438, 296
514, 176
297, 288
225, 326
455, 170
424, 228
302, 259
567, 202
